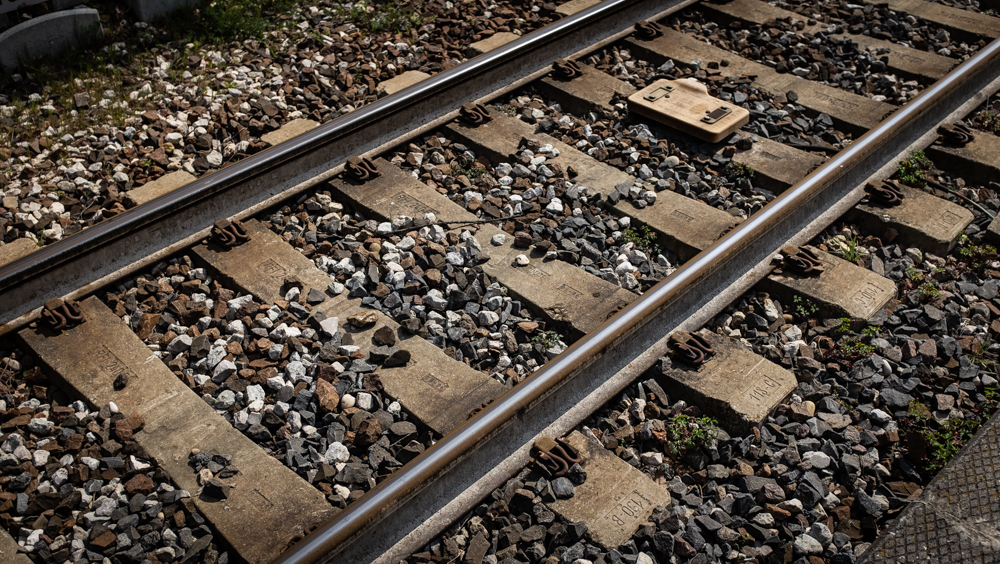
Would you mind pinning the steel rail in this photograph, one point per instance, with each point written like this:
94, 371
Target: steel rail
94, 254
513, 420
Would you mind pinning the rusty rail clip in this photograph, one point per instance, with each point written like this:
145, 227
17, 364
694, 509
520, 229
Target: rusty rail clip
691, 347
361, 168
474, 114
886, 193
60, 313
555, 456
955, 135
802, 260
229, 233
648, 30
566, 69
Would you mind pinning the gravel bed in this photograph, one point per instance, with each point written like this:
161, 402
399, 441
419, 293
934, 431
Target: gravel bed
72, 151
301, 390
541, 207
880, 22
75, 487
427, 279
833, 60
880, 407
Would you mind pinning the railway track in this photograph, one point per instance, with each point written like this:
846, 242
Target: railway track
372, 351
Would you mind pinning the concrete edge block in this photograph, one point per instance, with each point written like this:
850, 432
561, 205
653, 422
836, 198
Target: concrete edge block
46, 35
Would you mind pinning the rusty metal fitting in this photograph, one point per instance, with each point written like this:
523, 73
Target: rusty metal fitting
885, 193
361, 169
955, 135
802, 260
691, 348
229, 233
648, 30
59, 314
555, 456
474, 114
566, 69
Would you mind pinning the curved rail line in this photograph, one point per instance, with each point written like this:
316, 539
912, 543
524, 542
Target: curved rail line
623, 345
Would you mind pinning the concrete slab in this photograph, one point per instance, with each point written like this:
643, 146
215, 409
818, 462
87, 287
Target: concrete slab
958, 21
592, 89
685, 226
851, 112
8, 550
490, 43
776, 165
978, 161
498, 140
558, 289
615, 499
16, 249
401, 81
266, 495
440, 391
993, 232
930, 223
904, 60
261, 265
574, 6
843, 289
153, 190
735, 387
47, 35
396, 193
567, 295
291, 129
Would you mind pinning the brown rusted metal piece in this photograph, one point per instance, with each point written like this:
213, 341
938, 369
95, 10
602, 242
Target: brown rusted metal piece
885, 193
691, 348
229, 233
59, 314
474, 114
955, 135
555, 456
802, 260
647, 30
566, 69
361, 169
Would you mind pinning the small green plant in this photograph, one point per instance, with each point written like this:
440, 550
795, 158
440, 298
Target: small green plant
547, 339
939, 441
851, 346
470, 167
910, 171
850, 249
683, 433
980, 354
928, 292
643, 238
914, 274
736, 172
975, 257
804, 307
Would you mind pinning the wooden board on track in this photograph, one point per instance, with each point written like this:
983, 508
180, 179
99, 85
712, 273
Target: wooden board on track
264, 496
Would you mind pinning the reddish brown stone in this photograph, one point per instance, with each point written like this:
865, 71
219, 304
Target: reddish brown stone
140, 483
